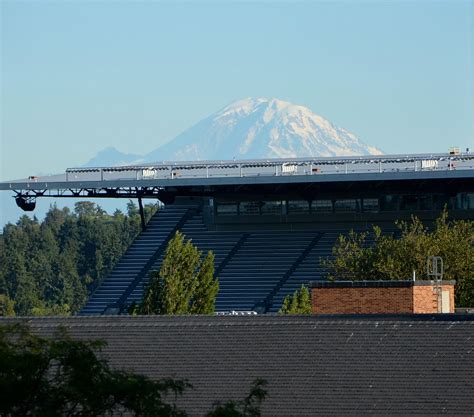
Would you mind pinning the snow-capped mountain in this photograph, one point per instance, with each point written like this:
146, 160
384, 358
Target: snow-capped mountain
261, 128
255, 128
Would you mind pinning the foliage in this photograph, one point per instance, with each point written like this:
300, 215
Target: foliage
54, 310
249, 407
7, 306
392, 258
51, 267
185, 283
64, 377
204, 298
59, 376
298, 303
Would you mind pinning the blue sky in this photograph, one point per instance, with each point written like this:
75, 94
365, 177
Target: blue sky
82, 75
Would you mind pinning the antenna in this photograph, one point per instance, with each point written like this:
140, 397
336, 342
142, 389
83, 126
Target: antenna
435, 270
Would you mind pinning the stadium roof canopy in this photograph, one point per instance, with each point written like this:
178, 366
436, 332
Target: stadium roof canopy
315, 365
250, 172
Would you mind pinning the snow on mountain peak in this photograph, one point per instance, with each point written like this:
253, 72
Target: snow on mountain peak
240, 107
257, 127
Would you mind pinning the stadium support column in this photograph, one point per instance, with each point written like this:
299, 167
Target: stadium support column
142, 214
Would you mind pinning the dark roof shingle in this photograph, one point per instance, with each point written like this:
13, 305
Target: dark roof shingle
315, 366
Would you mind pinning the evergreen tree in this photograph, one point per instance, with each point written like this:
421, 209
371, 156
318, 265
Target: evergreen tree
132, 210
295, 303
204, 297
304, 301
286, 306
7, 306
50, 267
3, 260
185, 284
298, 303
88, 209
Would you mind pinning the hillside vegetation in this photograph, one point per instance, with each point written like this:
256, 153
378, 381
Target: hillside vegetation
51, 266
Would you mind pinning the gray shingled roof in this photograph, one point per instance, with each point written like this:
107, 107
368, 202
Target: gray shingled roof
315, 366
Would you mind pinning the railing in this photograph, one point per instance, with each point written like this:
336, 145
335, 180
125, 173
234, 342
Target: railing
277, 167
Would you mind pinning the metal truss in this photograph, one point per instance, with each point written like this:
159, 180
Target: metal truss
26, 199
105, 192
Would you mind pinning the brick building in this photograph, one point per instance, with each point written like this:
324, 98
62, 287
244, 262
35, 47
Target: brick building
372, 297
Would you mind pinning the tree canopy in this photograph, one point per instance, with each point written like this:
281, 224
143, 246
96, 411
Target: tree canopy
51, 266
249, 407
395, 258
185, 283
65, 377
298, 303
59, 376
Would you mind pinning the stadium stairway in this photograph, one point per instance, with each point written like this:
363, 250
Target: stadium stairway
310, 269
221, 243
159, 230
256, 269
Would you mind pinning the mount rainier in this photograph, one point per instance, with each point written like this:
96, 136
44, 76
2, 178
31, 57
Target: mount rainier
253, 128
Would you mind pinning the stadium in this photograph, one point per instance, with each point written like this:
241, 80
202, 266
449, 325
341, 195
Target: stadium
268, 222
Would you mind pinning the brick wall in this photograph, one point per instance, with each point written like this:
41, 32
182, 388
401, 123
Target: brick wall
425, 299
362, 300
378, 297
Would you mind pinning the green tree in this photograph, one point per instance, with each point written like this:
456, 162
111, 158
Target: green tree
249, 407
58, 376
50, 267
7, 306
391, 258
132, 209
298, 303
63, 377
87, 209
50, 309
205, 293
185, 283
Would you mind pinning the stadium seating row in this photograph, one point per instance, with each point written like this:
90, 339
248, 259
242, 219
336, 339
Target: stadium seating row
257, 269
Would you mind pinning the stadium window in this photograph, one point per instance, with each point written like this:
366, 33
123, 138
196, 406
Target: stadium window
271, 207
464, 201
410, 202
371, 204
426, 202
345, 205
228, 208
321, 206
389, 202
249, 208
440, 201
298, 206
469, 201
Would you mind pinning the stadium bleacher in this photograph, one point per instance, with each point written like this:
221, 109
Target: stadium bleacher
256, 268
160, 228
268, 227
